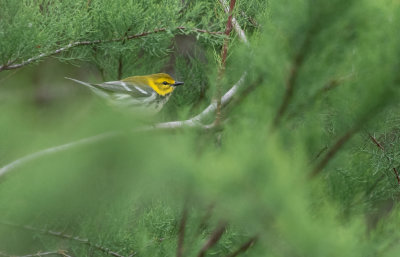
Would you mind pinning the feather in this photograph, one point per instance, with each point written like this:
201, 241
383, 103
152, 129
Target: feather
92, 87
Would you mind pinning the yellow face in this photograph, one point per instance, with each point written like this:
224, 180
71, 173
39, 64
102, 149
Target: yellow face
162, 83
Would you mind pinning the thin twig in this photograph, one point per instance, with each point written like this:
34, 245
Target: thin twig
250, 19
332, 152
120, 58
293, 75
10, 66
334, 82
244, 247
224, 55
235, 24
206, 218
377, 143
397, 175
202, 30
369, 190
56, 149
119, 76
64, 253
181, 237
380, 146
327, 87
38, 254
319, 153
243, 94
214, 238
65, 236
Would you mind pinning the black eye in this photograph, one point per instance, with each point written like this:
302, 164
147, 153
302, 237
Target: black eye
165, 83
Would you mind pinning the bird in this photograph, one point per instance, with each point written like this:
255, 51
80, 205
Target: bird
146, 93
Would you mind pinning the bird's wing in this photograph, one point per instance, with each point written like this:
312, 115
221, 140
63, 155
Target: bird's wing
92, 87
130, 88
107, 89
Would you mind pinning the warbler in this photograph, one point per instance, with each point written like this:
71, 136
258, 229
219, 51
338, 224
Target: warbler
148, 92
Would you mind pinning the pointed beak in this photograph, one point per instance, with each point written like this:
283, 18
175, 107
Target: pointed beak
177, 83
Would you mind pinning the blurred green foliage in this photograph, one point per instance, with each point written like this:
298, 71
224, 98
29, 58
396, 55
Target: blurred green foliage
128, 192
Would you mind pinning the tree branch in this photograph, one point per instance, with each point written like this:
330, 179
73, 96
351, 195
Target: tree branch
39, 254
396, 173
11, 66
214, 238
320, 152
194, 122
330, 85
235, 24
65, 236
332, 152
181, 236
380, 146
293, 75
224, 55
373, 139
244, 247
119, 76
56, 149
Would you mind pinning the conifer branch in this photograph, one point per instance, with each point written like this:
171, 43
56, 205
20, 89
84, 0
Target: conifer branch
10, 66
397, 175
194, 122
320, 152
340, 142
236, 26
66, 236
376, 143
332, 152
56, 149
380, 146
206, 218
327, 87
244, 247
214, 238
292, 78
224, 55
119, 72
243, 94
181, 235
38, 254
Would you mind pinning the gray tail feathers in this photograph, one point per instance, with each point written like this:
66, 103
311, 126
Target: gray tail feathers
92, 87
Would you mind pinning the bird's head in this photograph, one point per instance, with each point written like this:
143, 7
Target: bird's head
163, 83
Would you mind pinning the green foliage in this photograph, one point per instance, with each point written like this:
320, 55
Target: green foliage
335, 63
